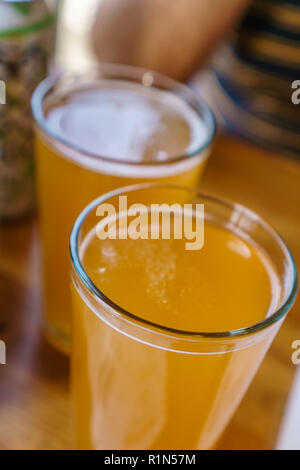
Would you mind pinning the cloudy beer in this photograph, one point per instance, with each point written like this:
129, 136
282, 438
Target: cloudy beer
166, 340
100, 131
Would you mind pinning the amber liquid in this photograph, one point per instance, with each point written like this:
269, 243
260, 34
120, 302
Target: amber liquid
124, 122
132, 395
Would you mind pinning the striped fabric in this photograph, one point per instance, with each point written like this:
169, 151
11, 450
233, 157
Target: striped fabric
252, 76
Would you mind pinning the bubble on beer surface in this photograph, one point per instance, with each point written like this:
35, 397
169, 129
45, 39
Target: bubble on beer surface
127, 122
228, 284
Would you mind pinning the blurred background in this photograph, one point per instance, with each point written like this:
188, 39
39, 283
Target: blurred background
74, 47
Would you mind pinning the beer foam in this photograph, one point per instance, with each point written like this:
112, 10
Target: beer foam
122, 121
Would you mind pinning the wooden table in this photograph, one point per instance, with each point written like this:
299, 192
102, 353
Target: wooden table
34, 391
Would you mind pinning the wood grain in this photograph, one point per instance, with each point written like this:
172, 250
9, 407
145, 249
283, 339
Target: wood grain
34, 391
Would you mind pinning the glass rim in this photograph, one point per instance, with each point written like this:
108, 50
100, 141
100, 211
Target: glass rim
130, 73
135, 320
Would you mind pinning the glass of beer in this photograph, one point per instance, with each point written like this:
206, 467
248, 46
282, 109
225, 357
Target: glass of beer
168, 334
113, 126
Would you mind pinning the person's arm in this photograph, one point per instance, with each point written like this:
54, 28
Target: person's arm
171, 36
